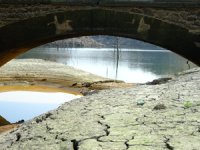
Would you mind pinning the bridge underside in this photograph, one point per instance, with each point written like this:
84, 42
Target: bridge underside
22, 30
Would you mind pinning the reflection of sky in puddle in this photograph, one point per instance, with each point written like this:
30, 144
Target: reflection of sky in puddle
18, 105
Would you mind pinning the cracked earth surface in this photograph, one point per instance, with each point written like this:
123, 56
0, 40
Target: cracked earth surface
114, 120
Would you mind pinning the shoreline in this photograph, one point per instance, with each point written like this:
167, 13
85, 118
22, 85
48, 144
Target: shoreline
37, 72
19, 75
37, 88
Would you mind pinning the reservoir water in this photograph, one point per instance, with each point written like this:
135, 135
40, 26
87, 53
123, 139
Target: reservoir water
133, 65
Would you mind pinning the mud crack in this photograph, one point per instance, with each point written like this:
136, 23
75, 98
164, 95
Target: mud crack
75, 144
126, 142
107, 127
18, 135
168, 146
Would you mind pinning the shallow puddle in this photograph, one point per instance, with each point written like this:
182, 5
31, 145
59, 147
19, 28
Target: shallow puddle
18, 105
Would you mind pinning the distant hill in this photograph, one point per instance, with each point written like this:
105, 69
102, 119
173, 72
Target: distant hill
85, 41
111, 41
3, 121
102, 42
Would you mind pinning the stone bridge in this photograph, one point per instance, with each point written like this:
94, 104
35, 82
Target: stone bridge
171, 24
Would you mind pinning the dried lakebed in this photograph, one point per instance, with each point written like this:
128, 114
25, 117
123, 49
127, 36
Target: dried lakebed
145, 117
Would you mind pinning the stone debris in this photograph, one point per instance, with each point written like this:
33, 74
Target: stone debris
159, 107
112, 120
159, 81
140, 102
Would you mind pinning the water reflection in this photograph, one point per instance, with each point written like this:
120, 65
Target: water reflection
134, 65
17, 105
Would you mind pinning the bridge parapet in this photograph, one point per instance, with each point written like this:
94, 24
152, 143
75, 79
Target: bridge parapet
141, 3
188, 18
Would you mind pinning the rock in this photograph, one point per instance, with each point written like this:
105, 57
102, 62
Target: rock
20, 121
85, 92
86, 84
159, 81
74, 84
159, 107
44, 80
140, 102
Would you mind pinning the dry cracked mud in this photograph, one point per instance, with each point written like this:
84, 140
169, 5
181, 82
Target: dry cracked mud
113, 120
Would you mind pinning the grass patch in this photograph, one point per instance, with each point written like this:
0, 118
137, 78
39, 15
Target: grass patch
188, 104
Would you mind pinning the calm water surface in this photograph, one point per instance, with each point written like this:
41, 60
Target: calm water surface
136, 66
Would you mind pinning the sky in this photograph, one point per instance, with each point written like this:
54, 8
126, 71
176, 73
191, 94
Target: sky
18, 105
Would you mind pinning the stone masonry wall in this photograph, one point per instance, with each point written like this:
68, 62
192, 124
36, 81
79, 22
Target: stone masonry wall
188, 18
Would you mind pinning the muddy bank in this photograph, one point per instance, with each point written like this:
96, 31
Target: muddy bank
31, 72
5, 125
3, 121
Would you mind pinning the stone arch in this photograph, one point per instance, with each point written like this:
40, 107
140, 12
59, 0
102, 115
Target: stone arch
16, 38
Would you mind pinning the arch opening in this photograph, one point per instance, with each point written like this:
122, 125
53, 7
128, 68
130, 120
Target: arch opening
24, 35
135, 62
117, 58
